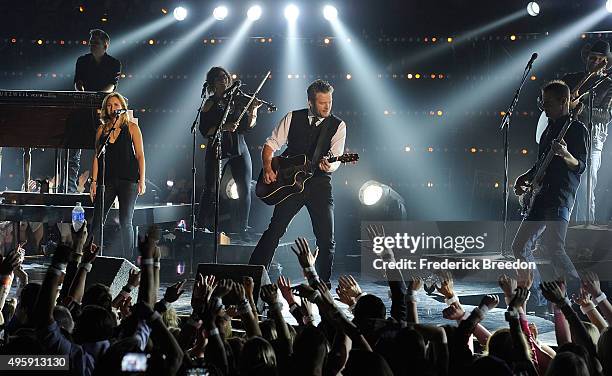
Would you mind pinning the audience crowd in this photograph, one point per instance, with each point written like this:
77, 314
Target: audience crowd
107, 335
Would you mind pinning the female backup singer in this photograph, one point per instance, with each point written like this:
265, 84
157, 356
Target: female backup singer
233, 148
125, 168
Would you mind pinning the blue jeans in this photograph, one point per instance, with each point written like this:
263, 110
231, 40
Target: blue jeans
581, 194
547, 226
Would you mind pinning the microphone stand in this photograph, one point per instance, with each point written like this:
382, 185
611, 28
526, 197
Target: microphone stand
218, 168
194, 126
102, 153
505, 127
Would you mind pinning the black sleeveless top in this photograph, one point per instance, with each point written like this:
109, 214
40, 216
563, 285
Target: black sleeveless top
121, 163
229, 140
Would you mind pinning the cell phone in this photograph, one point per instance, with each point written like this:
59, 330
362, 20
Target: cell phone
134, 362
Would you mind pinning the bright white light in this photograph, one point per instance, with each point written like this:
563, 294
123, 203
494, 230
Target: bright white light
170, 183
220, 13
609, 6
370, 193
292, 12
254, 13
179, 13
533, 9
330, 13
231, 190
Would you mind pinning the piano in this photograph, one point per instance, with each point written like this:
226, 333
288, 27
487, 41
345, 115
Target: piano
49, 119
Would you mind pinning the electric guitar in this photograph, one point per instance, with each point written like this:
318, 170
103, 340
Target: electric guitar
527, 199
291, 175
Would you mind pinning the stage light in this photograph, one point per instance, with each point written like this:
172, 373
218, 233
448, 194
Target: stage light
151, 42
291, 12
381, 202
449, 40
179, 13
39, 42
170, 183
370, 193
513, 37
254, 13
326, 40
81, 9
348, 76
330, 13
231, 190
609, 6
407, 149
533, 9
164, 10
220, 13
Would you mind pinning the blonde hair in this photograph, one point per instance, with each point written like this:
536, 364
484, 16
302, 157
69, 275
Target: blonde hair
107, 118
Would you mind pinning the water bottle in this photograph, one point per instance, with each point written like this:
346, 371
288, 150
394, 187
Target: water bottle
78, 217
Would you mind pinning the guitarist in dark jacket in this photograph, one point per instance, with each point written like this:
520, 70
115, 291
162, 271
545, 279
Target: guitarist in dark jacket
549, 214
312, 131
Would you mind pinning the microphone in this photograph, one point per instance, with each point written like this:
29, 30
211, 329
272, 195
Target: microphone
204, 88
234, 86
119, 112
533, 57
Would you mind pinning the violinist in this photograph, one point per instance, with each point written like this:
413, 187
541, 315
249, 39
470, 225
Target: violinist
233, 147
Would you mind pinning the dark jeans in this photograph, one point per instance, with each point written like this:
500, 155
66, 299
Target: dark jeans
547, 227
318, 199
74, 162
128, 193
242, 171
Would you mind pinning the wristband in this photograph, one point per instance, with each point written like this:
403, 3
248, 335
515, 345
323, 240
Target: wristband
211, 333
156, 264
57, 269
465, 316
146, 261
451, 300
511, 315
310, 269
410, 298
600, 298
587, 308
484, 309
85, 265
293, 307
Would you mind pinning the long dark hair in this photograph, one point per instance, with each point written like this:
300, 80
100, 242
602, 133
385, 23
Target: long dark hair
214, 72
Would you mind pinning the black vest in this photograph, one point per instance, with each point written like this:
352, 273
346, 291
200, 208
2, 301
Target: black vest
303, 138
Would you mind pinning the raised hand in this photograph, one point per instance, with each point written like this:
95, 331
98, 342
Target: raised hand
223, 288
453, 312
305, 257
414, 283
305, 291
349, 286
147, 246
507, 284
10, 262
446, 284
284, 285
590, 282
519, 298
524, 278
134, 278
375, 231
240, 291
90, 253
249, 286
553, 292
583, 298
269, 294
490, 301
79, 237
199, 294
324, 291
345, 298
174, 291
125, 307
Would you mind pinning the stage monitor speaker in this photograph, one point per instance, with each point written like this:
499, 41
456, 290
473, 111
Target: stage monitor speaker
112, 272
235, 272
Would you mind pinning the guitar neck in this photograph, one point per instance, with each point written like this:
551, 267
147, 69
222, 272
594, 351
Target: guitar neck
539, 176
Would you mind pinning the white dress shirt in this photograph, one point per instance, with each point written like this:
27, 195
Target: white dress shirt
278, 139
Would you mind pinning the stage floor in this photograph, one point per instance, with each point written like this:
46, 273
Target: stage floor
429, 308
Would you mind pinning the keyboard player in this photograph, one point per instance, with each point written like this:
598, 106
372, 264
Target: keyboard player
95, 71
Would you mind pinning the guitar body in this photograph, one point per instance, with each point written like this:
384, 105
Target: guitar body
291, 175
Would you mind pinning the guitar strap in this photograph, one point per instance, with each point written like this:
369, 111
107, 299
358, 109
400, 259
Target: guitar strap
322, 136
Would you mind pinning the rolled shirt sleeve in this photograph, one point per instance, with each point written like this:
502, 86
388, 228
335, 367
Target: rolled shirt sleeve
337, 144
278, 138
